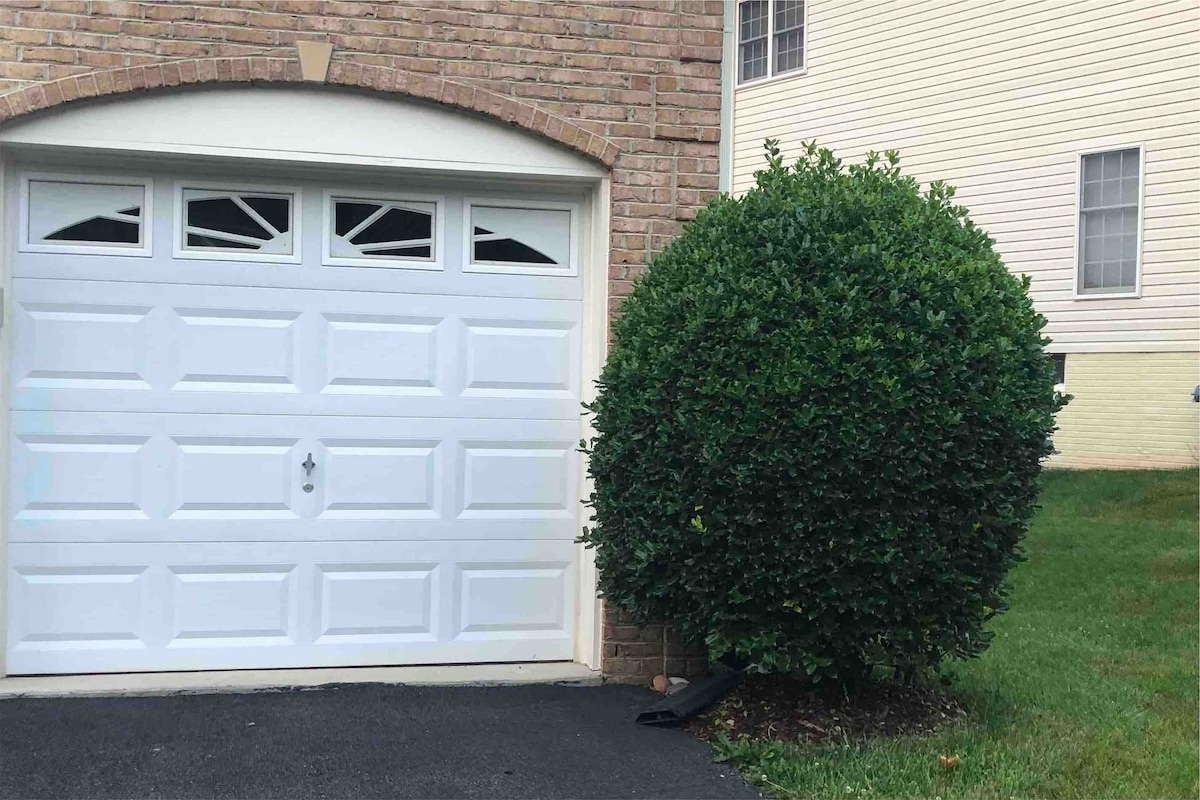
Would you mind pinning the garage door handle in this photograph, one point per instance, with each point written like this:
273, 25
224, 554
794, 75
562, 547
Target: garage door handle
308, 466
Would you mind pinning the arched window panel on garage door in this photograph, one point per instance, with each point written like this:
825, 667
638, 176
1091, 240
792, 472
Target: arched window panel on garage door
382, 231
532, 238
69, 214
239, 224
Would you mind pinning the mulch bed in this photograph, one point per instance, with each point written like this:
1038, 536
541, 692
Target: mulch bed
781, 708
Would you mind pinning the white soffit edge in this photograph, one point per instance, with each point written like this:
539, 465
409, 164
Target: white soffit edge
302, 124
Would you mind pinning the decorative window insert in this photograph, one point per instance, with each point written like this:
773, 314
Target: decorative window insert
771, 38
382, 231
1110, 223
253, 224
527, 239
67, 214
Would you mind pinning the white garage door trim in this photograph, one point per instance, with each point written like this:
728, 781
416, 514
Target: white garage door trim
592, 250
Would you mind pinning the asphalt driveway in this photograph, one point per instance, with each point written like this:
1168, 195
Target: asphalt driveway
355, 741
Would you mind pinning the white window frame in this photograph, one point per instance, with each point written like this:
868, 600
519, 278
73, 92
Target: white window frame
1061, 386
180, 215
569, 270
144, 250
1077, 292
771, 75
437, 244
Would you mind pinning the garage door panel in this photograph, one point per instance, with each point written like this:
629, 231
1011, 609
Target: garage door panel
222, 350
111, 477
241, 350
234, 477
79, 477
176, 606
81, 345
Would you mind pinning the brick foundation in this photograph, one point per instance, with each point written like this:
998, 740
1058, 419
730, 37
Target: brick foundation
635, 655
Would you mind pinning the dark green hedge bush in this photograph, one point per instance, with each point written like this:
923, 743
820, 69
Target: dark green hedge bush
820, 426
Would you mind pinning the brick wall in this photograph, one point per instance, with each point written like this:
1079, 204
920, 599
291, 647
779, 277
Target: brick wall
634, 84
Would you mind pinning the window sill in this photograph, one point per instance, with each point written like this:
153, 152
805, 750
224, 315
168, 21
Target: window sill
772, 79
1136, 294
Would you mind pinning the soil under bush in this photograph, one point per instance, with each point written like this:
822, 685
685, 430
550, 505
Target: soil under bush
781, 708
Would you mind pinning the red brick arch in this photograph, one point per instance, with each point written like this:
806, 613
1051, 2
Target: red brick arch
255, 69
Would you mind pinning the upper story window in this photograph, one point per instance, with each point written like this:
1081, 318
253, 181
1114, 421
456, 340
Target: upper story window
770, 38
1110, 211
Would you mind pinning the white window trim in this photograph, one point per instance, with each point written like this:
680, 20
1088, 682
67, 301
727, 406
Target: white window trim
571, 269
180, 213
771, 75
438, 263
1061, 387
1077, 292
145, 250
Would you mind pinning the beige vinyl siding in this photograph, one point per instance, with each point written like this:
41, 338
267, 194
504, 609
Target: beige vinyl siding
1129, 410
999, 99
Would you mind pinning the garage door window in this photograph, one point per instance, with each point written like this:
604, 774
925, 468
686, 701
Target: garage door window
376, 231
528, 240
246, 225
84, 216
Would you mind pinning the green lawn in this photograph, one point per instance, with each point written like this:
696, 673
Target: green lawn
1090, 687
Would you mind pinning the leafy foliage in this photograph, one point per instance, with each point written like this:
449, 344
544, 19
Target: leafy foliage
820, 426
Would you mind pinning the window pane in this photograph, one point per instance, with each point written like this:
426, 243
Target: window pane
85, 213
396, 225
196, 240
789, 50
509, 250
215, 219
1091, 167
1110, 193
1112, 275
788, 14
1129, 191
98, 230
1112, 248
521, 235
1129, 247
753, 19
1130, 163
1129, 274
382, 230
1129, 222
1091, 194
754, 60
1112, 165
1091, 276
1092, 247
275, 211
224, 215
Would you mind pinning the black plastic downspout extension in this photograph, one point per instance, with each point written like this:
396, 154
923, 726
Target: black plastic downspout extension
674, 709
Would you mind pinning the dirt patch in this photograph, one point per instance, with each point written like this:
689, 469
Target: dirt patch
780, 708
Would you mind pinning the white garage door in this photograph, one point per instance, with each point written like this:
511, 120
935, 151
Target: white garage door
264, 425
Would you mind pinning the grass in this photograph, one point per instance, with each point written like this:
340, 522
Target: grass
1090, 687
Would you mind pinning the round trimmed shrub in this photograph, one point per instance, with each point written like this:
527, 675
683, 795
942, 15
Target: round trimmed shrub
820, 426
